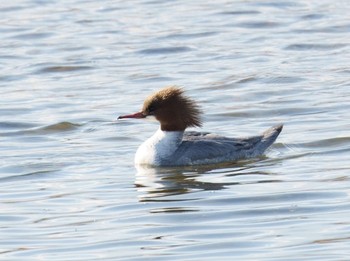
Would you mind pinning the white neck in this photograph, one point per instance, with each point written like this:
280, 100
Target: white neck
158, 147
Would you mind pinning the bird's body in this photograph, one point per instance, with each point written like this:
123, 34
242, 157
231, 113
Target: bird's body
177, 148
171, 145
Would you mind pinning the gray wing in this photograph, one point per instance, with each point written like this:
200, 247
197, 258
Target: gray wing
207, 148
200, 148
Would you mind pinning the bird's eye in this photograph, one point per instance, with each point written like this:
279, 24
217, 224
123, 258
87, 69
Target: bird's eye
151, 108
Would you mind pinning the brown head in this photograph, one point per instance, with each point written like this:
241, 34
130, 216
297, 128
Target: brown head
171, 108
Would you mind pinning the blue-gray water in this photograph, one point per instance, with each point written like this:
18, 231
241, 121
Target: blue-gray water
68, 186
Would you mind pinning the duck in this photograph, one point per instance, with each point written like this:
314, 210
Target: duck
171, 145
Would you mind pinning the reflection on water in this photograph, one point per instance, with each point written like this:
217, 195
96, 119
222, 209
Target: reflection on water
158, 184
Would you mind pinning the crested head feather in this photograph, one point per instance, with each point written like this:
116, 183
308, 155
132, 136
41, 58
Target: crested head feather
173, 109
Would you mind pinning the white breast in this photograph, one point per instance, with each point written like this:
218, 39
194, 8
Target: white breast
159, 147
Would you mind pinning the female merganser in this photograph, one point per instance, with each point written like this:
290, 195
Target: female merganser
172, 146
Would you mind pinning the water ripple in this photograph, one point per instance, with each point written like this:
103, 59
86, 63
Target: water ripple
314, 47
165, 50
241, 12
32, 36
64, 69
54, 128
259, 25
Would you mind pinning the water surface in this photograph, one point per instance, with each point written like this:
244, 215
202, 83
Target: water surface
69, 188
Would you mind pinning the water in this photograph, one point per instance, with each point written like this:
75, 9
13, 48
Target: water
69, 189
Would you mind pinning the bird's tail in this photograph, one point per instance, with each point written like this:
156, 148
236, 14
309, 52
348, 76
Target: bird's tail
269, 136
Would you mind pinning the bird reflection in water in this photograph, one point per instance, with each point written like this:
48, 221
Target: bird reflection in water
181, 183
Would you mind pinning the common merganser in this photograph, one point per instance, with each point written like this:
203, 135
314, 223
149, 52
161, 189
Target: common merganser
172, 146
